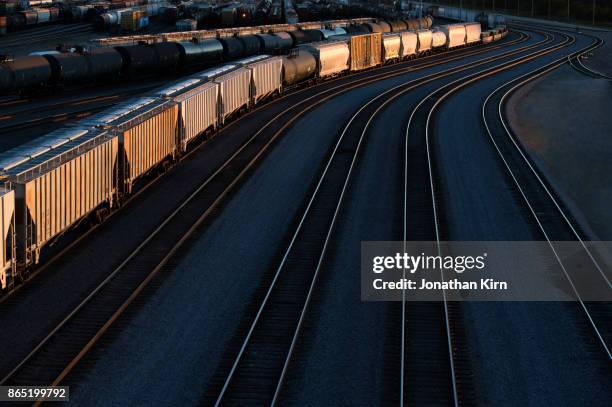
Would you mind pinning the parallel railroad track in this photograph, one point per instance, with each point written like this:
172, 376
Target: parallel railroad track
257, 372
553, 219
433, 352
58, 353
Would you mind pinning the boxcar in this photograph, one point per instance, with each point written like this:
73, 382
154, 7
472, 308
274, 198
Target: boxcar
234, 88
66, 177
455, 35
425, 39
365, 50
332, 57
7, 243
472, 33
266, 75
409, 43
392, 44
197, 101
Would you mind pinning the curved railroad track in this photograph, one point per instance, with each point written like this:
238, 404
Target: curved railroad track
540, 198
74, 335
77, 334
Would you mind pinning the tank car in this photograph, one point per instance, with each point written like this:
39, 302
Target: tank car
233, 48
298, 67
251, 43
202, 52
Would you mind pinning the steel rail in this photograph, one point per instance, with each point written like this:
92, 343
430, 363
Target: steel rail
520, 81
314, 102
279, 270
463, 82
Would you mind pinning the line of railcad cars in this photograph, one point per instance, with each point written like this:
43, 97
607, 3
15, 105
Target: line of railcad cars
136, 60
84, 170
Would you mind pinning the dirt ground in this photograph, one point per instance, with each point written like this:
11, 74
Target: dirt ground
564, 121
601, 60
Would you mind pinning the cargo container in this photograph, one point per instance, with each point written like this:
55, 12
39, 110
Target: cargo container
234, 88
455, 34
7, 243
66, 176
438, 39
197, 101
266, 75
392, 44
472, 33
332, 57
409, 43
425, 38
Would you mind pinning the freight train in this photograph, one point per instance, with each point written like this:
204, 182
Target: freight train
32, 72
87, 169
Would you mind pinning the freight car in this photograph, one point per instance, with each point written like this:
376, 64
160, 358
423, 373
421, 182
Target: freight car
58, 180
392, 44
298, 67
87, 169
332, 57
455, 35
144, 59
234, 84
409, 44
425, 39
366, 50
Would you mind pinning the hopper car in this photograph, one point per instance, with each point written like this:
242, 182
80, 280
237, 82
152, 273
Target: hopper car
87, 169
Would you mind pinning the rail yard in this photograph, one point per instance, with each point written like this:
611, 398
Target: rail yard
193, 194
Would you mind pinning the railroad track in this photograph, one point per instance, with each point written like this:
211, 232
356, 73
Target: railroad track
553, 219
434, 329
262, 360
61, 31
52, 360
